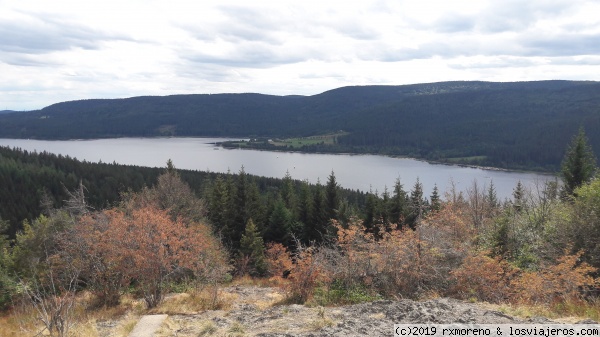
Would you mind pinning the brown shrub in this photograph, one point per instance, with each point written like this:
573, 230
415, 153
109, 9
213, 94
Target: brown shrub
561, 282
307, 273
483, 278
146, 245
278, 260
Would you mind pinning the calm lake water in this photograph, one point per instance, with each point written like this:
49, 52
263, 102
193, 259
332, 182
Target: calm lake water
362, 172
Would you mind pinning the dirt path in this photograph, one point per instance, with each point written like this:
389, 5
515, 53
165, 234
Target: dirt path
147, 326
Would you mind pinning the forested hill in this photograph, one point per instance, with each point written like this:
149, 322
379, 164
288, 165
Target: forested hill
510, 125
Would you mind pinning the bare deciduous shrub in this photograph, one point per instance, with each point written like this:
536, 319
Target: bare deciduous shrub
51, 294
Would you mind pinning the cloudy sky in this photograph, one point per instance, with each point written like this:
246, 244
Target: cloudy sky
52, 51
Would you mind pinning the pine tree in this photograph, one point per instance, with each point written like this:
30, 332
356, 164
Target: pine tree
170, 166
305, 209
579, 164
398, 205
316, 229
332, 198
371, 212
417, 204
492, 199
518, 197
252, 249
7, 284
436, 203
492, 204
218, 203
254, 205
384, 208
280, 224
237, 210
288, 193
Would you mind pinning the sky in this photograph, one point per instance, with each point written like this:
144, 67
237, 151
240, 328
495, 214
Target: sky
60, 50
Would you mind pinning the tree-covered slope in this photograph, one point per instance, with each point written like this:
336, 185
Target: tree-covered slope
517, 127
518, 124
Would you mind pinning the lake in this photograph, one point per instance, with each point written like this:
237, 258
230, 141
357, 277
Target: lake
362, 172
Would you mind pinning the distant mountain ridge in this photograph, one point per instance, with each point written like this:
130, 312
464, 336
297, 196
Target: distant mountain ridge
505, 124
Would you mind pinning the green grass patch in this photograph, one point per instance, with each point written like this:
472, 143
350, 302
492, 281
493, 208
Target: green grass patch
328, 139
339, 294
472, 159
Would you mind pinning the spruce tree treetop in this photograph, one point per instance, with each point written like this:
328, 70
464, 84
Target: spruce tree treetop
436, 203
253, 248
332, 198
579, 164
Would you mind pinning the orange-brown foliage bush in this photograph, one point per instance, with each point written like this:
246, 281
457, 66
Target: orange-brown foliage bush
399, 263
484, 278
449, 229
278, 260
563, 281
307, 273
147, 246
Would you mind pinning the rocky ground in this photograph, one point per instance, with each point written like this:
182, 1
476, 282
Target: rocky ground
255, 311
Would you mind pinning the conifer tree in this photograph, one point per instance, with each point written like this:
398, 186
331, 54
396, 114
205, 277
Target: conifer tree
436, 203
579, 164
371, 212
7, 284
417, 204
305, 208
398, 205
384, 208
492, 204
288, 193
252, 248
238, 206
332, 198
492, 199
316, 229
280, 224
518, 197
218, 203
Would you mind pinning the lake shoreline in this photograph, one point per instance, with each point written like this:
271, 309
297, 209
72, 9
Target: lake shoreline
364, 172
230, 139
432, 162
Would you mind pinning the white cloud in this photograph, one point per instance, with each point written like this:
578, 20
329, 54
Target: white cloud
67, 49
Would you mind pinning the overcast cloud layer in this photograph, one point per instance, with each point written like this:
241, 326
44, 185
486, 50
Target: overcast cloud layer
52, 51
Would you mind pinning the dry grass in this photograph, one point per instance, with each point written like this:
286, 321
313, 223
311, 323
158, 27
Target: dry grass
168, 327
321, 320
270, 300
195, 302
320, 323
13, 326
126, 326
236, 329
379, 316
88, 329
22, 319
207, 328
247, 280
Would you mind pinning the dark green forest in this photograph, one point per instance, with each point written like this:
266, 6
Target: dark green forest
518, 125
32, 182
283, 209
